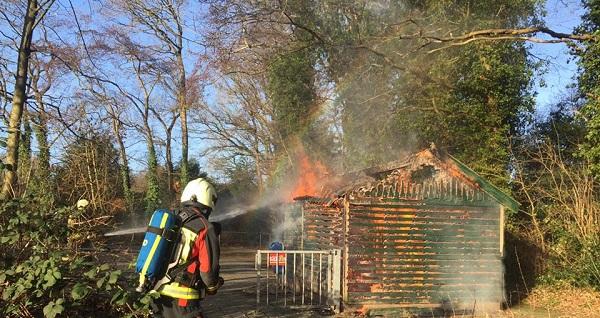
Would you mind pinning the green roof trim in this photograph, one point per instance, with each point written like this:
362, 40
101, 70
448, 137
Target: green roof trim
503, 198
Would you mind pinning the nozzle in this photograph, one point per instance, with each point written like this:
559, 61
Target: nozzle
143, 283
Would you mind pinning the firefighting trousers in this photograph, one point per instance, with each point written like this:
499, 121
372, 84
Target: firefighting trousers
167, 307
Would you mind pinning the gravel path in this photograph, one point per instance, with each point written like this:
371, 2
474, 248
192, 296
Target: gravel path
233, 300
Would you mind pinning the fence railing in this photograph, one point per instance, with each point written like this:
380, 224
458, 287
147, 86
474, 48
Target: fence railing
299, 278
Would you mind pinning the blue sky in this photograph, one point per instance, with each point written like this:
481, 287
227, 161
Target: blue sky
562, 16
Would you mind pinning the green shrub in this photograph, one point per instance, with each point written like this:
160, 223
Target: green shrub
41, 276
573, 262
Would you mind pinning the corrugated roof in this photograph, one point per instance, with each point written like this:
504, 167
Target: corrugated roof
502, 198
354, 180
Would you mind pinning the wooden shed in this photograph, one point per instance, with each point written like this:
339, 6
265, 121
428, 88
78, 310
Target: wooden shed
422, 235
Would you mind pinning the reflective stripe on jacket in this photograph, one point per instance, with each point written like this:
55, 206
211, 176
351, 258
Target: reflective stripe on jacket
174, 290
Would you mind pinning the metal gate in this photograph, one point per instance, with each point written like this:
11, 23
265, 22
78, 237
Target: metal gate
298, 278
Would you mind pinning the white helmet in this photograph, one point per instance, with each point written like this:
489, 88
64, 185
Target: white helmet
82, 204
200, 193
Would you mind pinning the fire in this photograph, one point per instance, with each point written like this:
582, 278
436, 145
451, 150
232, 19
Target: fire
310, 177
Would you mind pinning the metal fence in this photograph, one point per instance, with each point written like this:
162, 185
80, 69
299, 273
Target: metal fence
298, 278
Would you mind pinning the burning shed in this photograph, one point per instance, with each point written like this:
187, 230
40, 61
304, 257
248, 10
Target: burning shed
423, 234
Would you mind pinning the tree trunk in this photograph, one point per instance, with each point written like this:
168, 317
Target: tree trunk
169, 164
24, 168
43, 183
153, 190
124, 168
40, 130
258, 175
19, 98
181, 101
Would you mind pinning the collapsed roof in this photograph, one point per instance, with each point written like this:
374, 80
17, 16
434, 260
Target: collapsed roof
429, 165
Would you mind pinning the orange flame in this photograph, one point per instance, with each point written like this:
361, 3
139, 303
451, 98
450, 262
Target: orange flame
310, 177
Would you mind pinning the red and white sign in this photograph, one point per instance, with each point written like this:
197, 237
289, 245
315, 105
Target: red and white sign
273, 259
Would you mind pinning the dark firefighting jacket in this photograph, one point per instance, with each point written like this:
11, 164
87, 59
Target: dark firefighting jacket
198, 264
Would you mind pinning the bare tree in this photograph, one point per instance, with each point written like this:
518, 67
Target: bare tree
167, 120
557, 193
241, 124
262, 26
115, 109
164, 21
39, 90
34, 13
118, 130
43, 75
152, 195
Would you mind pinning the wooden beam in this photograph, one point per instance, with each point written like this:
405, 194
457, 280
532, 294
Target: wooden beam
501, 230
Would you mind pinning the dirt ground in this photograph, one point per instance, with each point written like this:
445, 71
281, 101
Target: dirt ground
233, 299
237, 297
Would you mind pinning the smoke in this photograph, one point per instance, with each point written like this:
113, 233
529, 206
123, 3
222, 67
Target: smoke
273, 210
229, 214
487, 291
128, 223
288, 230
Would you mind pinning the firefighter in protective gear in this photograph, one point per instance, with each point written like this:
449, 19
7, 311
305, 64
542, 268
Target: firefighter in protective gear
198, 271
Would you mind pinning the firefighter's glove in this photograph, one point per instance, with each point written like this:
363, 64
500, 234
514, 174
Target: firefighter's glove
211, 290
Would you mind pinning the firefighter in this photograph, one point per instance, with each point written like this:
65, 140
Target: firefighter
76, 234
199, 273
